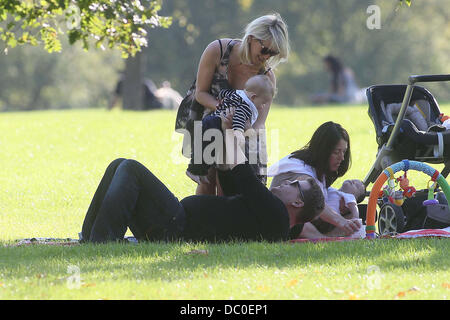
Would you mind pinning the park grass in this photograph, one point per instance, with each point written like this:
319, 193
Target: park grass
52, 162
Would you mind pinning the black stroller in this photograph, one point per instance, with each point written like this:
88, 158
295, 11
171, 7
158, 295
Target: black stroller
408, 125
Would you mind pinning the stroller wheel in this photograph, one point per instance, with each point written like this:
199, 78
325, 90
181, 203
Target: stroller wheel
391, 219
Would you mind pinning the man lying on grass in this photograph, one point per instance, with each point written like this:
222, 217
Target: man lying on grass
129, 195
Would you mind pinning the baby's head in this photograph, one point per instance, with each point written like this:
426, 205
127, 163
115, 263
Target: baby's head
260, 90
355, 187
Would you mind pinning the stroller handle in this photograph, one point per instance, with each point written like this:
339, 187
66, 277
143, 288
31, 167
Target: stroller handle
429, 78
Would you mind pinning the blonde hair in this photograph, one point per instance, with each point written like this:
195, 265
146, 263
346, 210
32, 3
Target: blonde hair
272, 28
261, 85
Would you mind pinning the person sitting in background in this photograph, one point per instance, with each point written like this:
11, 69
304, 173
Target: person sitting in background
343, 87
169, 98
150, 101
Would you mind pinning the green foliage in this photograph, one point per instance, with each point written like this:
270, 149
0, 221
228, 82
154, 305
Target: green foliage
407, 42
121, 23
73, 78
411, 40
408, 2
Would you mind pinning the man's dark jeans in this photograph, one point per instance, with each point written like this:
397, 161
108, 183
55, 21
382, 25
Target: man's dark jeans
129, 195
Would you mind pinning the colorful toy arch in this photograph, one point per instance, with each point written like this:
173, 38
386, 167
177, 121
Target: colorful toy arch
404, 165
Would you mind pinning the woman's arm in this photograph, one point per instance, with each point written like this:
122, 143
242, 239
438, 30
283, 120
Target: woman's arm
209, 61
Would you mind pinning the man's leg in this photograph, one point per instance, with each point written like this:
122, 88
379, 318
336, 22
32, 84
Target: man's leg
136, 198
97, 200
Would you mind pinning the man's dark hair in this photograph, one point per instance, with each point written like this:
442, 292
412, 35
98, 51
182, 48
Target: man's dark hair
314, 202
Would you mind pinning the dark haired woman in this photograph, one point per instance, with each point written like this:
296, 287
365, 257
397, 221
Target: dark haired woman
343, 87
325, 158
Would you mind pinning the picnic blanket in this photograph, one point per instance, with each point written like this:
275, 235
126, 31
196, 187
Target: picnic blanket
48, 241
441, 233
56, 241
421, 233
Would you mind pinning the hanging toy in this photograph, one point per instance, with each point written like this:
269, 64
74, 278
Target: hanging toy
408, 191
390, 194
445, 120
397, 198
388, 191
431, 199
385, 194
443, 117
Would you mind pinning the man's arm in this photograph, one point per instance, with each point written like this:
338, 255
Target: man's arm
329, 215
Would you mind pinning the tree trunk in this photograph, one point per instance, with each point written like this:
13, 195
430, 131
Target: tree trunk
132, 84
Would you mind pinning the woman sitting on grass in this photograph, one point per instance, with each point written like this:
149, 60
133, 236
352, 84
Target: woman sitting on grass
325, 158
343, 87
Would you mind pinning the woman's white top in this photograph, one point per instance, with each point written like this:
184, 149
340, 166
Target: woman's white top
294, 165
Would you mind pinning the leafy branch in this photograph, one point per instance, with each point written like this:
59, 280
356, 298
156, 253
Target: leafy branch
121, 24
408, 2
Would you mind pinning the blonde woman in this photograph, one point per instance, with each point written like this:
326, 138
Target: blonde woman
227, 64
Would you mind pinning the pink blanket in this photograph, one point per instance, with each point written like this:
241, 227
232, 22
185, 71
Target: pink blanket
441, 233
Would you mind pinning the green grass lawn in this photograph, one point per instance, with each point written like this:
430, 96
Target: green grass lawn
52, 162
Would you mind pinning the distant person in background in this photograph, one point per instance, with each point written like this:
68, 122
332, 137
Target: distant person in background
149, 97
343, 87
169, 98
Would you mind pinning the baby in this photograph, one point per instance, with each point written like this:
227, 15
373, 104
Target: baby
258, 91
345, 200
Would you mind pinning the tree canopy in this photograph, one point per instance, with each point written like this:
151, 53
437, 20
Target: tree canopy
413, 38
119, 24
